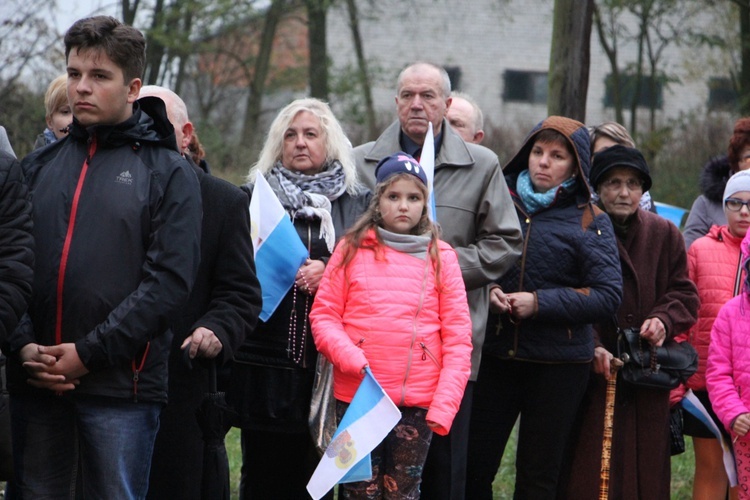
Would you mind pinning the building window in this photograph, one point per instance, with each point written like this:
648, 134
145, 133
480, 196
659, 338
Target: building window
454, 73
627, 91
525, 86
721, 94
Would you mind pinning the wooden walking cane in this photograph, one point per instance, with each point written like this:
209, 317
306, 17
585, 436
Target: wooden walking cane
609, 415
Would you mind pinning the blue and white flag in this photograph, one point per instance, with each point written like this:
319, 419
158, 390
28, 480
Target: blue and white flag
368, 420
279, 252
427, 160
692, 404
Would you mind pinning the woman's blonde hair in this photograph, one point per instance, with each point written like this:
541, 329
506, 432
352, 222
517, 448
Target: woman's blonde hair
338, 146
611, 130
56, 95
354, 239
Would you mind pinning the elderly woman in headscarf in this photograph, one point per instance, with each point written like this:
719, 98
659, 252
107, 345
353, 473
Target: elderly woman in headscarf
539, 339
659, 300
308, 162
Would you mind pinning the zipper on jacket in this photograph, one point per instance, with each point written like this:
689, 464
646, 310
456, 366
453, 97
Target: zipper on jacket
68, 239
137, 370
426, 353
738, 277
414, 327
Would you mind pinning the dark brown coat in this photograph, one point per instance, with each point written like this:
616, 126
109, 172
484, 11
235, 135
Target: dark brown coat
655, 284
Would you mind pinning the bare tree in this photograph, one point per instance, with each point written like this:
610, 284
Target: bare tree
743, 83
317, 11
569, 58
364, 74
260, 73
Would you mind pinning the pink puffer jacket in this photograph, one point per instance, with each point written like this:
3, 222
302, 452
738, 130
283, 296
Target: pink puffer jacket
389, 314
715, 266
728, 369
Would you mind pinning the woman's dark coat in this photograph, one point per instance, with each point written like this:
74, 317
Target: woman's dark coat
268, 342
655, 284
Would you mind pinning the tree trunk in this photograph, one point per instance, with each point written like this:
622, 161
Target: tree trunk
569, 58
129, 10
185, 52
364, 77
316, 18
155, 50
744, 83
643, 27
611, 52
258, 82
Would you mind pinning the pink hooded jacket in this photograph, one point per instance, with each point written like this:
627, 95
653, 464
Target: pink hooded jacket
728, 367
389, 314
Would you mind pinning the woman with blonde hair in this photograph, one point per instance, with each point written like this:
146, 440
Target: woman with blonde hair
57, 112
308, 162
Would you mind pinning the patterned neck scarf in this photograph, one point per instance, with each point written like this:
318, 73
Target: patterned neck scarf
534, 201
309, 196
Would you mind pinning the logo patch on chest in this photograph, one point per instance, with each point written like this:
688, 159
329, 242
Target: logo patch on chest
124, 178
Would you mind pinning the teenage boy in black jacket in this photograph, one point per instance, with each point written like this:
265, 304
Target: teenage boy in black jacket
117, 214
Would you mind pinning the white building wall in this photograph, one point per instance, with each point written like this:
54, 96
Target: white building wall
484, 38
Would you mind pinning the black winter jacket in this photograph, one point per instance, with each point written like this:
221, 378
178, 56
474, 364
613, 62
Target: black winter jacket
569, 261
128, 256
16, 245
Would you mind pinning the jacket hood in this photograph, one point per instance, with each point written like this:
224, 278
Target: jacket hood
149, 123
578, 136
714, 177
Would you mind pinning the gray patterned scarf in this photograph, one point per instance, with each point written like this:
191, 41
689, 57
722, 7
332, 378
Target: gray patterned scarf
310, 196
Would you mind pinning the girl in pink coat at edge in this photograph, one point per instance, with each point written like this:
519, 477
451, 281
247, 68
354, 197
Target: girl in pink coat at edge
392, 298
715, 266
728, 372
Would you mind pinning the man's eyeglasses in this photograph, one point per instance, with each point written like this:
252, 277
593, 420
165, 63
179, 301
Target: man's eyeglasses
615, 184
735, 205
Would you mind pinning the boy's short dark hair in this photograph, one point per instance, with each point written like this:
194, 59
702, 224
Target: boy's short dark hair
123, 44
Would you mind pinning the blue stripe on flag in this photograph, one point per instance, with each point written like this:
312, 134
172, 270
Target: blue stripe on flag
276, 262
368, 420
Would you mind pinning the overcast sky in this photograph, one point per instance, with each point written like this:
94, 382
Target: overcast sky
68, 12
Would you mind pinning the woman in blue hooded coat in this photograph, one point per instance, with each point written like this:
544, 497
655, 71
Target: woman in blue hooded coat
539, 340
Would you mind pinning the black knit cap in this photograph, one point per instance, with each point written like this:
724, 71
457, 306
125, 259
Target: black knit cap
619, 156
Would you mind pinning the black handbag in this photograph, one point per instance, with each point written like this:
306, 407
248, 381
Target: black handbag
646, 365
270, 394
676, 436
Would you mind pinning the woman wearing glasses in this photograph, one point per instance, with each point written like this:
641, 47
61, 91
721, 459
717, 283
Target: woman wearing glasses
715, 263
708, 209
659, 299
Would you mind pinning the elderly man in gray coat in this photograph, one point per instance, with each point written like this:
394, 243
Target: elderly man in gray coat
476, 215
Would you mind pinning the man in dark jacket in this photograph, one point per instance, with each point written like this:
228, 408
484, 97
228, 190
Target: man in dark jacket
223, 306
117, 214
16, 273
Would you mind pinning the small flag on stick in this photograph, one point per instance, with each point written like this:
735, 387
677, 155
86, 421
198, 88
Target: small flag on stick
279, 252
368, 420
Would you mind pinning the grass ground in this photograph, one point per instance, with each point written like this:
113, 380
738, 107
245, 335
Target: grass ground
682, 469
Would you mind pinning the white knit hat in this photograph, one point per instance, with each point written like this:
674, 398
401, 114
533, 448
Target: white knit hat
738, 182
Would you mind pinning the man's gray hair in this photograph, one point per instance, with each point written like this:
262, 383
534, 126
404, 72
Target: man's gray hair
478, 115
445, 88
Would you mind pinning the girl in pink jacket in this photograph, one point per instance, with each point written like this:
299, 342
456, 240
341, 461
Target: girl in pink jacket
715, 265
728, 373
392, 298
